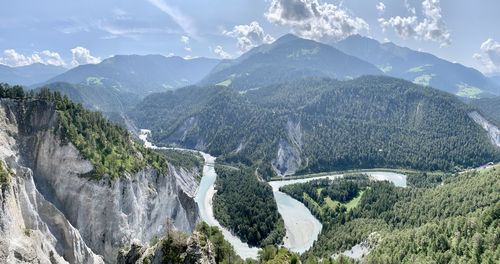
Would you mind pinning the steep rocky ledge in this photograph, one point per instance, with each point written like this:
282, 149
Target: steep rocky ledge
51, 213
493, 131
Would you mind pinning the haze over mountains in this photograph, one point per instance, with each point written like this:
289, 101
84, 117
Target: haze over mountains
140, 75
30, 74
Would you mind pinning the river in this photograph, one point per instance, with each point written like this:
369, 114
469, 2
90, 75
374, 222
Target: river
302, 228
204, 196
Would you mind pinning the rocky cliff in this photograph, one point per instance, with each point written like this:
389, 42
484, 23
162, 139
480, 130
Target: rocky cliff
51, 212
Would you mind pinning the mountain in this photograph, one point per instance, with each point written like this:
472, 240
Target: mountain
288, 58
77, 189
140, 75
317, 125
97, 96
420, 67
495, 79
29, 75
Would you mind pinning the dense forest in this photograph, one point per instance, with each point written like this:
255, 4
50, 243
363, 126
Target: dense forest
247, 206
322, 125
108, 147
457, 222
328, 200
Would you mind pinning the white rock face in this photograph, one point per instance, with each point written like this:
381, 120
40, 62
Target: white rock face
78, 219
288, 159
493, 131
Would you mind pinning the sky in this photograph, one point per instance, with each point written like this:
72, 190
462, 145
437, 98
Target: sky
70, 33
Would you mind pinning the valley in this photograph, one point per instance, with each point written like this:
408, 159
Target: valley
160, 133
302, 228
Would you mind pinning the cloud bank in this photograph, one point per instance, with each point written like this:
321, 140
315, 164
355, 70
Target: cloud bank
81, 55
315, 20
249, 36
432, 27
489, 56
219, 51
14, 59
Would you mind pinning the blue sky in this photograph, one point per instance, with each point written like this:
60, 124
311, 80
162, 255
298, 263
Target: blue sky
70, 33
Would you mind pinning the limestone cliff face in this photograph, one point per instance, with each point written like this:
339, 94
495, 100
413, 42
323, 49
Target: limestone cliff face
51, 211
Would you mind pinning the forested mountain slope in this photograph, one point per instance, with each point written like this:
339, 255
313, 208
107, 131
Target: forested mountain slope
140, 75
288, 58
456, 222
420, 67
320, 125
96, 96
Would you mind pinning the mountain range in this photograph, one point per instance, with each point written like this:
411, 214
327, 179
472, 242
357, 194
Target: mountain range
420, 67
288, 58
30, 74
317, 125
140, 75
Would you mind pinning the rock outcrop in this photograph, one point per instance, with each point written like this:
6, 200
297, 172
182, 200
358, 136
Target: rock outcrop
493, 131
173, 248
51, 212
288, 158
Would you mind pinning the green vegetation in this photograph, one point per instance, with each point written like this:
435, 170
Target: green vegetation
247, 206
273, 255
328, 199
369, 122
457, 222
185, 159
224, 251
469, 91
4, 175
425, 179
108, 147
424, 80
420, 68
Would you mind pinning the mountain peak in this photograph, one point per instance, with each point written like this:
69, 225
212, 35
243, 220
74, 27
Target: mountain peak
286, 38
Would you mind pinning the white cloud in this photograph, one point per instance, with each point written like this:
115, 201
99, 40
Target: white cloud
380, 7
190, 57
185, 40
432, 27
129, 28
14, 59
249, 36
315, 20
179, 18
219, 51
490, 57
404, 26
52, 58
82, 56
